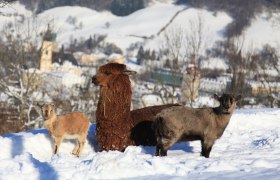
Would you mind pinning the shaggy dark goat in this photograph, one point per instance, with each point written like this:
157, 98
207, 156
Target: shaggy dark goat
187, 124
116, 126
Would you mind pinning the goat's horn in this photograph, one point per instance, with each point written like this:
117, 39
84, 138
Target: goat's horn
129, 72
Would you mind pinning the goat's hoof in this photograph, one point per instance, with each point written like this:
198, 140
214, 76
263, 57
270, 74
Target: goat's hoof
76, 154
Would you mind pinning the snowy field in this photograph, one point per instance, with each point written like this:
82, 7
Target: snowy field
249, 149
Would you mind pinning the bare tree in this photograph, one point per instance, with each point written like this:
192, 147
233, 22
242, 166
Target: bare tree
18, 54
173, 45
183, 46
232, 51
180, 44
19, 86
196, 37
264, 62
196, 43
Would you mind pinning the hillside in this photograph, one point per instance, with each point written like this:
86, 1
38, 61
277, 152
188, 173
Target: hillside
249, 149
74, 22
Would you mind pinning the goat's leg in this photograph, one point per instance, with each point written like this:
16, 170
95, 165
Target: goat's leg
78, 144
157, 150
74, 151
81, 143
57, 141
166, 145
206, 147
163, 152
160, 151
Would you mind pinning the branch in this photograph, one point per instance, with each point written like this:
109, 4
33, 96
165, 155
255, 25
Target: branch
10, 91
171, 20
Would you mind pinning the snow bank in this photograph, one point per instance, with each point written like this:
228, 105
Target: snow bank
249, 149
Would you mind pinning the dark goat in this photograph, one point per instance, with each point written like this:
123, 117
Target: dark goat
187, 124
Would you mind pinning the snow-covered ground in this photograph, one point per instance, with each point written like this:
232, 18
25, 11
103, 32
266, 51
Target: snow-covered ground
249, 149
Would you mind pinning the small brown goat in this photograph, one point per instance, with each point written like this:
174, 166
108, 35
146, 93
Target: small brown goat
116, 126
72, 125
187, 124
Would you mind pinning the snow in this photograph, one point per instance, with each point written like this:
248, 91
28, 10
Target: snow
70, 74
69, 79
151, 100
122, 30
214, 63
263, 31
14, 8
248, 149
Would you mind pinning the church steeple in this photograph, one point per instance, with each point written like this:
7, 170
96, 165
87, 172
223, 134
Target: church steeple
46, 50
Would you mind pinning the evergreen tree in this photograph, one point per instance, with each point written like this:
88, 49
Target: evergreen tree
147, 54
167, 64
89, 43
62, 49
140, 55
125, 7
153, 55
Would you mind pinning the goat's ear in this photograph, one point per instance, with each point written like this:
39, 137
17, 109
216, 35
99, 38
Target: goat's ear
129, 72
237, 97
215, 96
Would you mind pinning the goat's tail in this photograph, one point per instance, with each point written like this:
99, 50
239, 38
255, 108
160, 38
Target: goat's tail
160, 128
162, 131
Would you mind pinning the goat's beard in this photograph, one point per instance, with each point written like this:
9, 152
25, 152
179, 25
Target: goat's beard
225, 110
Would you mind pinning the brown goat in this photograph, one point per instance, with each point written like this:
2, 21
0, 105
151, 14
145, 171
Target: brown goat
187, 124
116, 126
72, 125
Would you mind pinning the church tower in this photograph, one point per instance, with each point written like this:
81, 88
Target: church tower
46, 56
46, 51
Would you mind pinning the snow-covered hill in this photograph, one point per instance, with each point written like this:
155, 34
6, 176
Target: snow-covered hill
249, 149
123, 31
80, 23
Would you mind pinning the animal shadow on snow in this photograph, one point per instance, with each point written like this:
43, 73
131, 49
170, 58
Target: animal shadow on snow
183, 146
180, 146
50, 139
91, 138
18, 141
261, 142
17, 146
46, 171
